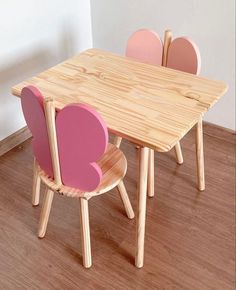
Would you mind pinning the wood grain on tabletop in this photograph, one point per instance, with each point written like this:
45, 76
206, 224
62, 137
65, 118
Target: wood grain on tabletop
149, 105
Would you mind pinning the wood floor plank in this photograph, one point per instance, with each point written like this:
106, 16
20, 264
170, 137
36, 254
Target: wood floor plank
189, 235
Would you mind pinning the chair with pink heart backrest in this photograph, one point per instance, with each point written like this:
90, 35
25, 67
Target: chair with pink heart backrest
73, 157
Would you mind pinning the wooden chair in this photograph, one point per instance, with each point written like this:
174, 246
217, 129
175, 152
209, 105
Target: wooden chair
181, 54
73, 158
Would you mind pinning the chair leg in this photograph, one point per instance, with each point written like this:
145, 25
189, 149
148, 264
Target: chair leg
151, 178
178, 153
125, 199
117, 141
36, 185
85, 233
45, 212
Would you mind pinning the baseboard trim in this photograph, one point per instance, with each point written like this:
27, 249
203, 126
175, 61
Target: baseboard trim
219, 132
14, 140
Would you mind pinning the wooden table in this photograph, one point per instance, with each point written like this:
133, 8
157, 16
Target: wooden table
151, 106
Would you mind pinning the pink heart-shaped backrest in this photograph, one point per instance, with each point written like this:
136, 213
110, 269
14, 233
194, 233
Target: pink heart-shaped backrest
32, 106
82, 138
184, 55
146, 46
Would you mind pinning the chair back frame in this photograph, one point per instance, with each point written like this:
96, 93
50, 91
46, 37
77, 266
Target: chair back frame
50, 115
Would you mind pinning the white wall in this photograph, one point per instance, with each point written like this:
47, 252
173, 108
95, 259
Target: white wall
36, 35
209, 22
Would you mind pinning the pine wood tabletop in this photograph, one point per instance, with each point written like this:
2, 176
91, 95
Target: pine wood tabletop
149, 105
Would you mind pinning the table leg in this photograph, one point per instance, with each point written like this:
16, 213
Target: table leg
141, 210
178, 153
200, 155
117, 141
151, 178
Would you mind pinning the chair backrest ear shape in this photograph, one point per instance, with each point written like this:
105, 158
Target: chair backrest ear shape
184, 55
33, 110
146, 46
82, 138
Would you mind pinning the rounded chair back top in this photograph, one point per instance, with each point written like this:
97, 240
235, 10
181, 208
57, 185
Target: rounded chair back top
184, 55
33, 110
146, 46
82, 138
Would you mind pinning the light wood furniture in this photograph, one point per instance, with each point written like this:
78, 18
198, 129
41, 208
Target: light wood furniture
112, 163
200, 155
151, 106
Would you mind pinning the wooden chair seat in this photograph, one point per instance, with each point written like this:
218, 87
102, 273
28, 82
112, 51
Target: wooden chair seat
113, 165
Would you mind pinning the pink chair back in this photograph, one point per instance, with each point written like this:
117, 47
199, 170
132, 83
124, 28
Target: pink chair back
32, 106
146, 46
184, 55
82, 138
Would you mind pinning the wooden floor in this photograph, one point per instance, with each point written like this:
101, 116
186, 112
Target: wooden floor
189, 235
